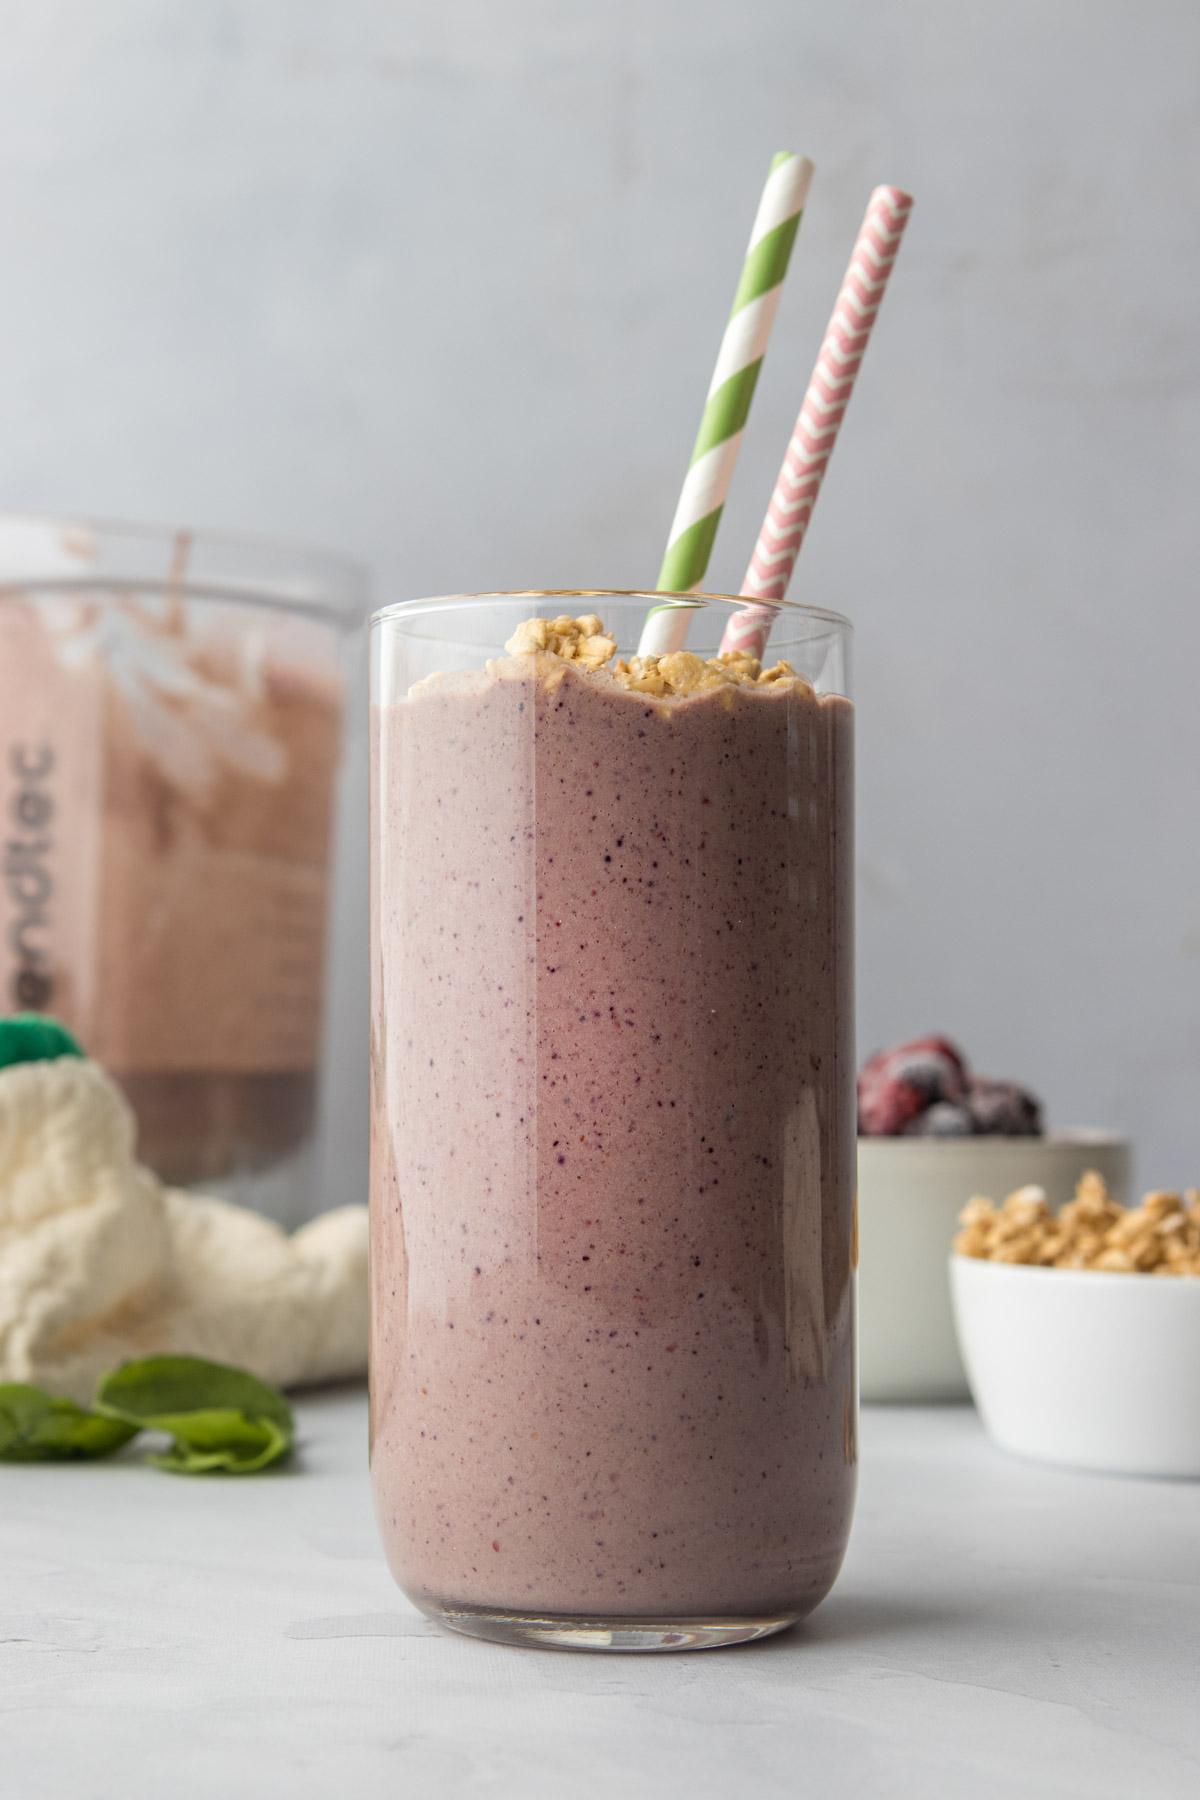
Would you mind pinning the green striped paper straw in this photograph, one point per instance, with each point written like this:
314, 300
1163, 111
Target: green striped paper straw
729, 395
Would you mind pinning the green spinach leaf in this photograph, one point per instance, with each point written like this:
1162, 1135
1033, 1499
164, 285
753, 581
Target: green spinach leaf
40, 1427
221, 1419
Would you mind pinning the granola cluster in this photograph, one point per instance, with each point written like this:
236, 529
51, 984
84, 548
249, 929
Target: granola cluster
682, 672
585, 642
574, 640
1093, 1231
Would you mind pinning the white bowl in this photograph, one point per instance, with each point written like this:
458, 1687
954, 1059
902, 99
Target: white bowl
910, 1193
1083, 1368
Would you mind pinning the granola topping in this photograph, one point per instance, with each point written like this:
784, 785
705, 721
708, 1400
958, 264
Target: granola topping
1093, 1231
585, 643
581, 640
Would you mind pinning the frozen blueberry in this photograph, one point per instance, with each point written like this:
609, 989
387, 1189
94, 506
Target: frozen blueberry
1002, 1109
942, 1119
932, 1064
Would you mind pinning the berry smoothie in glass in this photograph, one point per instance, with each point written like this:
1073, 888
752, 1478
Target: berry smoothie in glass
613, 1128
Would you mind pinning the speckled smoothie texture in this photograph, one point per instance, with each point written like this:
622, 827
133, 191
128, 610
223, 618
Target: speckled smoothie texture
613, 1145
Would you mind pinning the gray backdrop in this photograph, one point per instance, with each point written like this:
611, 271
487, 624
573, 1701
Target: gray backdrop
441, 283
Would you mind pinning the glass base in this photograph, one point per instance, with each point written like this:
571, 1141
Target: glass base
553, 1631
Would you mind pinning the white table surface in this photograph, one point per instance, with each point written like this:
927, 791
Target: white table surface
999, 1629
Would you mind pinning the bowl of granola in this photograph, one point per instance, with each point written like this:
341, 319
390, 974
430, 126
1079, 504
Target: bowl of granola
1080, 1330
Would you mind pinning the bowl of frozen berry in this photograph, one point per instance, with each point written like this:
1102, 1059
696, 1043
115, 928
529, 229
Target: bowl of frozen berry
932, 1133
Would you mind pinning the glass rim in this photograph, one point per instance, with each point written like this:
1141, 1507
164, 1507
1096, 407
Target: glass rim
345, 578
697, 600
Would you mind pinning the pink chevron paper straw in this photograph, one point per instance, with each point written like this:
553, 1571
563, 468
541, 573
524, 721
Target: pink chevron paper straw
815, 434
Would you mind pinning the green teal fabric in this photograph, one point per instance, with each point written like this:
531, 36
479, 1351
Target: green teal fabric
34, 1037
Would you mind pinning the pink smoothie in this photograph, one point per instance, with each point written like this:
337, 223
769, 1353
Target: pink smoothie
614, 1141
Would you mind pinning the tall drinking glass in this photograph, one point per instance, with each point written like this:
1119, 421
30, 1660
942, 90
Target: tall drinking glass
613, 1127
